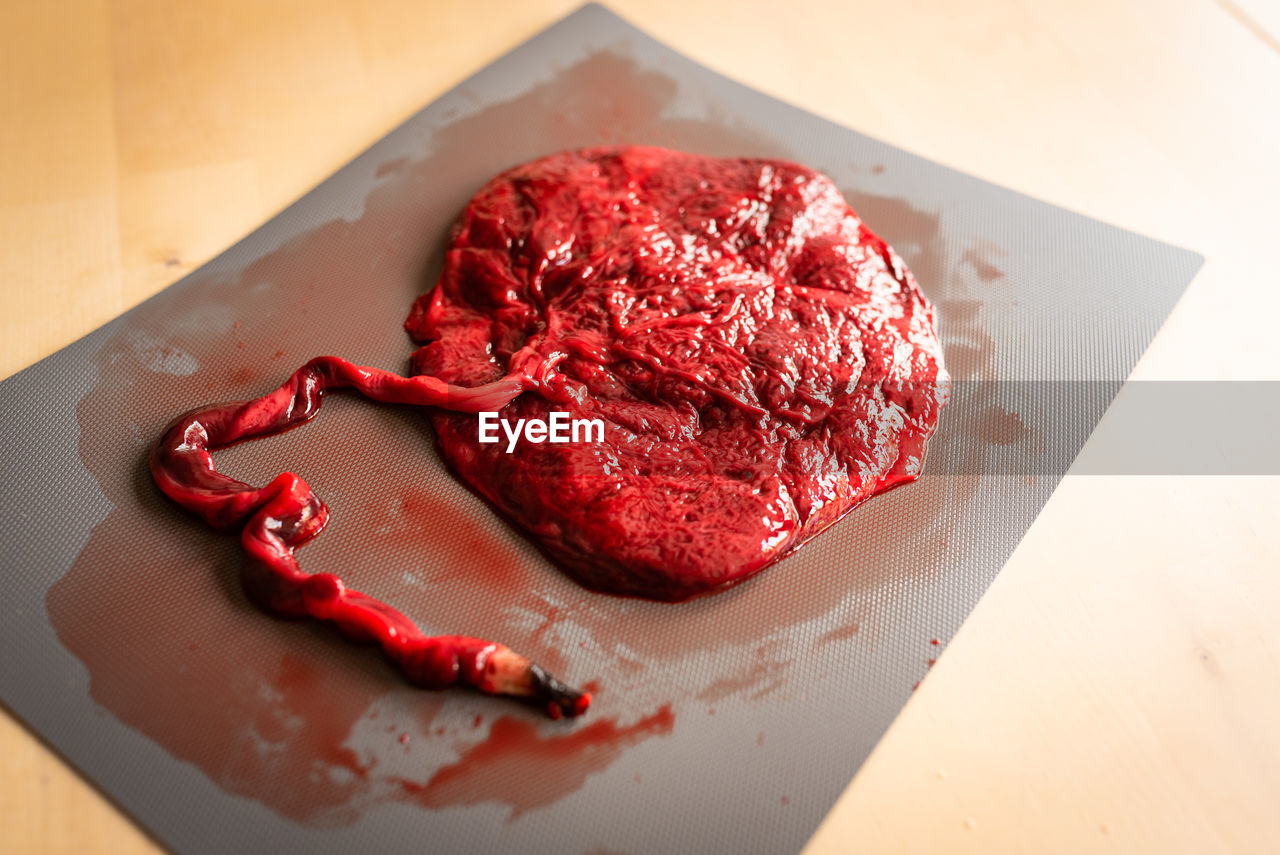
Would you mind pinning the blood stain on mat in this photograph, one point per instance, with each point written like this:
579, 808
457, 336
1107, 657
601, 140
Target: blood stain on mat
982, 264
760, 677
243, 375
840, 633
409, 517
1001, 427
515, 753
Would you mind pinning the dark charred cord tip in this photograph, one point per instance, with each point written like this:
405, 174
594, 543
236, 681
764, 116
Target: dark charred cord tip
559, 700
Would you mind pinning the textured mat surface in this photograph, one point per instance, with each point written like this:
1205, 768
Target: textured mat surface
727, 724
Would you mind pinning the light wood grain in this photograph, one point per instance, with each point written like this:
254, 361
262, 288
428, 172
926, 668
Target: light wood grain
1117, 688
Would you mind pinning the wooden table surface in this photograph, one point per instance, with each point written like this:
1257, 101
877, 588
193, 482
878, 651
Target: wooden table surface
1118, 689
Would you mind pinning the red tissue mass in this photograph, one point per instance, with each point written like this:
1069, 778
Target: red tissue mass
761, 361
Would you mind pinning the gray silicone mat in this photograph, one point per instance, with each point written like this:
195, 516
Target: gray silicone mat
726, 724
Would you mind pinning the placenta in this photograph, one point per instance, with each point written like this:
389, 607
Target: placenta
757, 362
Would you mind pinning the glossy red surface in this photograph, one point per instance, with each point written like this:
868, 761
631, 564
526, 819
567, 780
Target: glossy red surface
761, 361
